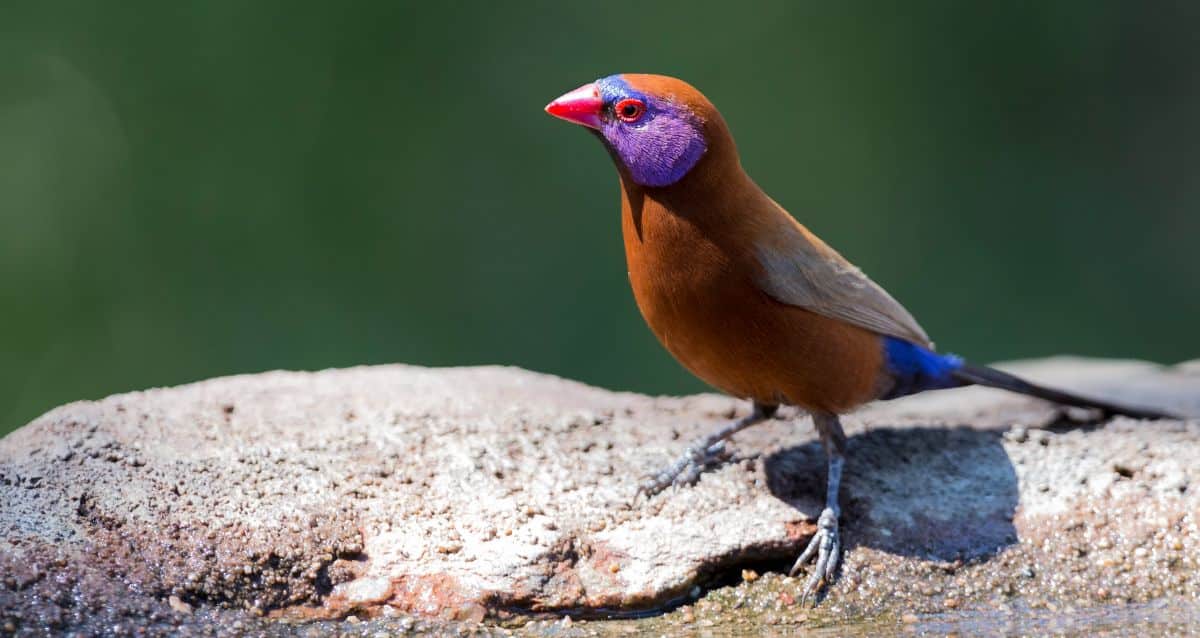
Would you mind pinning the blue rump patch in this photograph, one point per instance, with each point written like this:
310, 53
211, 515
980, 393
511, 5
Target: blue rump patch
916, 369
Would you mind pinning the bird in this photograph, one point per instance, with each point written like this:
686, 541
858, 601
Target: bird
751, 301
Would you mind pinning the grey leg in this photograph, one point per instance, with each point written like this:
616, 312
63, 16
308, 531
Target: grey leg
687, 468
825, 543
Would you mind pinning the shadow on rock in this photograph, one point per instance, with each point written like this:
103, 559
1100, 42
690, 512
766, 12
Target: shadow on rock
928, 492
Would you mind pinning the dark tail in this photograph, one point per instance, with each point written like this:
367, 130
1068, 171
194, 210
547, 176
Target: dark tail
916, 369
968, 374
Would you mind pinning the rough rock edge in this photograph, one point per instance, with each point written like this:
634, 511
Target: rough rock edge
38, 573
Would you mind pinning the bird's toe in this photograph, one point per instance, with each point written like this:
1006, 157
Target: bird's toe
686, 470
826, 546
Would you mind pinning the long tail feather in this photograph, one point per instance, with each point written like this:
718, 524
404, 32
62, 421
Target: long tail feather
993, 378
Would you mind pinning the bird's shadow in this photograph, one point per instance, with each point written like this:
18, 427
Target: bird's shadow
940, 493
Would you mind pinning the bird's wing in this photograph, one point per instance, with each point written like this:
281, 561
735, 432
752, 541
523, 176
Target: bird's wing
801, 270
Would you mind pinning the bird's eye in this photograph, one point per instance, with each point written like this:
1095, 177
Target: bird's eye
629, 110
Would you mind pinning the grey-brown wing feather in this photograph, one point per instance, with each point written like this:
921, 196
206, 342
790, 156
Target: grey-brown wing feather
801, 270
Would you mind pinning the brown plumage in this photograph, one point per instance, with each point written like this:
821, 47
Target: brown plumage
690, 254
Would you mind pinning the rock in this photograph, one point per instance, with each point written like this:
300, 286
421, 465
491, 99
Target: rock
179, 605
458, 493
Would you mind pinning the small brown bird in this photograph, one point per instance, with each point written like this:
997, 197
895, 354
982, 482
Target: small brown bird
748, 299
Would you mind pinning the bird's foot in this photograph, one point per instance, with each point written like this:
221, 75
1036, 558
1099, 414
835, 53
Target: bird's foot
686, 469
826, 546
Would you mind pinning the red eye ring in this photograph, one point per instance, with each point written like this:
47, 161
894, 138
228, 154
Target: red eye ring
629, 110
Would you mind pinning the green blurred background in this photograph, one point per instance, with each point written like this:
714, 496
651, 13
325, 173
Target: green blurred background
191, 189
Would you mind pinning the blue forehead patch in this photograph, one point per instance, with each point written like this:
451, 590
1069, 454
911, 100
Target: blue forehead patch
614, 87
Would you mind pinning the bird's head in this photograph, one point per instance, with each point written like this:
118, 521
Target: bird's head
657, 127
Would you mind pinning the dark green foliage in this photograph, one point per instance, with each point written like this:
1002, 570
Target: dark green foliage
190, 189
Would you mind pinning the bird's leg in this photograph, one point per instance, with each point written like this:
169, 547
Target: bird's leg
687, 468
825, 543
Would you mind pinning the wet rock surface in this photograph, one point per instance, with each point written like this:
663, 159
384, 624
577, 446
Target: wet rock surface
406, 499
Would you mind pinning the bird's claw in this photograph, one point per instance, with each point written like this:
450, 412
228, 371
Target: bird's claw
827, 547
685, 470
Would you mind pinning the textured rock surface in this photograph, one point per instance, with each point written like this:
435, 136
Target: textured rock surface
468, 494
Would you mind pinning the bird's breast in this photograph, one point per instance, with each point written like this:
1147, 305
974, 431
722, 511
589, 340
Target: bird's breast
695, 286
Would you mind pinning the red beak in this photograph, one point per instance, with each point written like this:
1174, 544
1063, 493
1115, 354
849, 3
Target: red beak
581, 106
